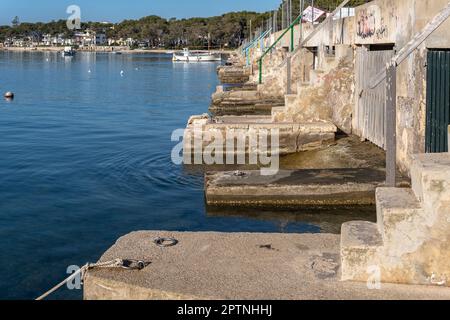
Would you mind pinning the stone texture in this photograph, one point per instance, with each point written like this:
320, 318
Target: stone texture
360, 242
233, 75
249, 266
293, 137
329, 97
415, 228
293, 188
236, 102
398, 210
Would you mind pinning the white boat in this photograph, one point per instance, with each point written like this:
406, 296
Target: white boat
68, 52
196, 56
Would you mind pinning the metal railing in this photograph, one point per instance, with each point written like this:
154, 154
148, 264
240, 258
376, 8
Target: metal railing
291, 45
252, 44
294, 50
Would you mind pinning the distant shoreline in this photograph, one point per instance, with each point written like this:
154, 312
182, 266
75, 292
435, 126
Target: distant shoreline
101, 50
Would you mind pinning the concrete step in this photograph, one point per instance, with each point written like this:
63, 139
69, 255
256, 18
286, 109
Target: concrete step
316, 76
290, 99
278, 113
400, 217
361, 242
240, 87
293, 188
227, 130
430, 177
243, 102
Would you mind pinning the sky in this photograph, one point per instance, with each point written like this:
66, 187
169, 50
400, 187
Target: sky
118, 10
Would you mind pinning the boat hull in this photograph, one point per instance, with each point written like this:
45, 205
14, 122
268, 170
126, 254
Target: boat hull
197, 57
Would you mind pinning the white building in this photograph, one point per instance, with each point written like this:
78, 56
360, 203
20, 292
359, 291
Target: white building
100, 39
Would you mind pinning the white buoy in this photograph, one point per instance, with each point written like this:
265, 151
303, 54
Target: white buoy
89, 71
121, 73
9, 95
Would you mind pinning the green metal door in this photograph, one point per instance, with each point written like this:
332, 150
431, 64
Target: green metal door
438, 101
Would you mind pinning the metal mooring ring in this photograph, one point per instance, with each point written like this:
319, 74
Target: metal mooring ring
238, 173
165, 242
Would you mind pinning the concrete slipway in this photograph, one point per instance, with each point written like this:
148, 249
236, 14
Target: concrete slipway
237, 266
346, 186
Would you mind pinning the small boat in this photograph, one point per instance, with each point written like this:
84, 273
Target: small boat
117, 52
68, 52
196, 56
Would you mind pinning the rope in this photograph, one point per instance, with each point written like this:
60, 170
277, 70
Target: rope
116, 263
128, 264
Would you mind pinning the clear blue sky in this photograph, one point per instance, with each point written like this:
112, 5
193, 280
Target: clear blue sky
117, 10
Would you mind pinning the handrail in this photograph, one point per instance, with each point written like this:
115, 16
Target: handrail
253, 44
316, 30
412, 45
308, 38
290, 28
390, 74
261, 36
323, 23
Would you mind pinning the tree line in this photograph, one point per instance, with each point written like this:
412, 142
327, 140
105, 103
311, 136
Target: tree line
228, 30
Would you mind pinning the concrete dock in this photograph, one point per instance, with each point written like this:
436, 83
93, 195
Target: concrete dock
241, 102
292, 137
292, 188
233, 74
236, 266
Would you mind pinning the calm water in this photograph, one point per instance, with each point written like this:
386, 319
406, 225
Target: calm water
85, 159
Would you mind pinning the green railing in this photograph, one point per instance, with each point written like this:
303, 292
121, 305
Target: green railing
291, 46
254, 43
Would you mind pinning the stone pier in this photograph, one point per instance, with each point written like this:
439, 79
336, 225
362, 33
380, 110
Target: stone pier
248, 266
235, 74
241, 102
292, 137
293, 188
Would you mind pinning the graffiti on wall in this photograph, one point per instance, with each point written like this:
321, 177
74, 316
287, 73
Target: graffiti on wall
370, 24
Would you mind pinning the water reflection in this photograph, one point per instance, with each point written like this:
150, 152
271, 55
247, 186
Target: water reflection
316, 219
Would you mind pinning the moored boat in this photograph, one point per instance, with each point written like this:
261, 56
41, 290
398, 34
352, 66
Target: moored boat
196, 56
68, 52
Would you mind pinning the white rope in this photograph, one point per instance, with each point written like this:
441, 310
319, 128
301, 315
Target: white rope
128, 264
59, 285
108, 264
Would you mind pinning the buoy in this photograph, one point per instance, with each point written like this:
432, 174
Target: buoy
9, 95
121, 73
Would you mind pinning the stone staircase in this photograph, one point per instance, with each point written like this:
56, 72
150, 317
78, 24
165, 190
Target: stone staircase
410, 243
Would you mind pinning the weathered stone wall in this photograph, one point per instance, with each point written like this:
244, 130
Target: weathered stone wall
331, 99
380, 22
275, 73
338, 31
396, 22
